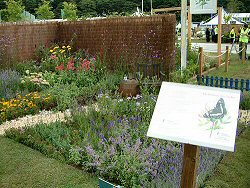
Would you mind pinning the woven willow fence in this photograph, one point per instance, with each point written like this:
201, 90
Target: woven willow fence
130, 40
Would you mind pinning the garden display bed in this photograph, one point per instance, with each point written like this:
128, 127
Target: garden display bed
109, 138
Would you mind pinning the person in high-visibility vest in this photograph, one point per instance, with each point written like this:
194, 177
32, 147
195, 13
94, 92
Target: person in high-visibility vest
216, 31
244, 34
232, 35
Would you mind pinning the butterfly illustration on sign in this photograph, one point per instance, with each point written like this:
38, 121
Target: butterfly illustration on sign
201, 3
215, 117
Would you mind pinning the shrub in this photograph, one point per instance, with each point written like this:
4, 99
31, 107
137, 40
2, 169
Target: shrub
44, 11
245, 104
69, 10
64, 95
15, 10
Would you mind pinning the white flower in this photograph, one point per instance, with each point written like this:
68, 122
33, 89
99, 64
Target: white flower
27, 72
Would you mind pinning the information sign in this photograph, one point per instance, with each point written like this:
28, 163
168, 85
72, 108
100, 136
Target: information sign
197, 115
203, 6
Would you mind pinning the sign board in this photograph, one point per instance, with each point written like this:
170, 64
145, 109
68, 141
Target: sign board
197, 115
203, 6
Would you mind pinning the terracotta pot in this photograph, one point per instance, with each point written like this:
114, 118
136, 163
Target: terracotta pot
129, 88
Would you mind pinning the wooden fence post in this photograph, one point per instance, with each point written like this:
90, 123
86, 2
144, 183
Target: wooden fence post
228, 59
219, 35
201, 60
189, 29
190, 162
243, 52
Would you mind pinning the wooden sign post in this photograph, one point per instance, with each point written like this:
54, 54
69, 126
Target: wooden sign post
228, 58
189, 29
201, 61
243, 52
190, 166
219, 35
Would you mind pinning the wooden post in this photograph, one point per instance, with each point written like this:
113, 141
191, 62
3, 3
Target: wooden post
243, 52
201, 61
189, 29
183, 34
228, 59
219, 34
190, 166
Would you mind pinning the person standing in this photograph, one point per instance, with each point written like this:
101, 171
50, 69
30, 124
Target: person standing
244, 34
213, 34
232, 35
216, 34
207, 35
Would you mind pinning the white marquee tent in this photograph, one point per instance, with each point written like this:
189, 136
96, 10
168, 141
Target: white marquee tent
214, 20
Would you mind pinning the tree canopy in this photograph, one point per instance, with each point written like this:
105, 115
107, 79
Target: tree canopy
106, 7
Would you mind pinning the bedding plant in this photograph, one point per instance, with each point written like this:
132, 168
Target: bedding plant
23, 105
109, 139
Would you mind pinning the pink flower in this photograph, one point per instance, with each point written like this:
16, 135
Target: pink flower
61, 67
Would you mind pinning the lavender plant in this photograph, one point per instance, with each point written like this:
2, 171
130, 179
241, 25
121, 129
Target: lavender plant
6, 50
109, 139
9, 83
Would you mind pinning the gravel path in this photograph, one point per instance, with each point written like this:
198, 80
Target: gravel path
49, 117
29, 120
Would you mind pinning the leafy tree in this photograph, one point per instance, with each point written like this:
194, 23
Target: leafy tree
44, 11
87, 7
31, 5
14, 10
69, 10
234, 6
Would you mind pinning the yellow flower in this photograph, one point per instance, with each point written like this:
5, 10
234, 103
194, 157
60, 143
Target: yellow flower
6, 103
63, 47
55, 48
68, 46
62, 51
51, 51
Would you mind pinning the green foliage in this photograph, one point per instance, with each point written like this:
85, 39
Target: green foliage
245, 104
33, 81
87, 8
70, 10
234, 6
65, 95
23, 66
44, 11
14, 10
191, 69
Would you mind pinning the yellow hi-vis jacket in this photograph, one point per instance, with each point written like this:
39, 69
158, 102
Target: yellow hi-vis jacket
232, 34
244, 35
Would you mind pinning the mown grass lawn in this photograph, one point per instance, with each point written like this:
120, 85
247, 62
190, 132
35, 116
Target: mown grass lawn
236, 69
23, 167
233, 170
